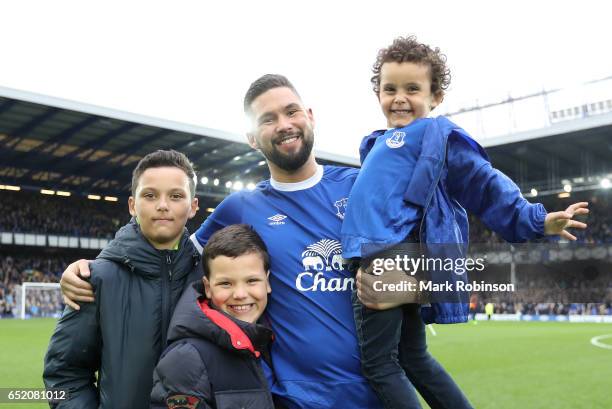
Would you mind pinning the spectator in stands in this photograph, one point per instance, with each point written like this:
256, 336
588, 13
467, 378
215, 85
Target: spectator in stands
6, 309
2, 307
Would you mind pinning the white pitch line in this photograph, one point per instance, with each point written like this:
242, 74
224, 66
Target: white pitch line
595, 341
433, 331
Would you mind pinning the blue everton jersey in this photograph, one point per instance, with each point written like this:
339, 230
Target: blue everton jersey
376, 213
315, 354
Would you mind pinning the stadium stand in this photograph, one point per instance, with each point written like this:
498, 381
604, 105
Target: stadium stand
17, 268
599, 219
31, 212
58, 145
82, 157
541, 292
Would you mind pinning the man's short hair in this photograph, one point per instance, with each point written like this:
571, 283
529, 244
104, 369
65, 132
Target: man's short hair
263, 84
234, 241
160, 159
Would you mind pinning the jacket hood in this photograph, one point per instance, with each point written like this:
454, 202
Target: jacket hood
194, 317
131, 248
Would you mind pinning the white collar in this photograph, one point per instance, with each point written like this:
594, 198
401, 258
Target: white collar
304, 184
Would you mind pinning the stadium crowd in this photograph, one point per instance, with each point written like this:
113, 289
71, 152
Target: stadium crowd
533, 308
31, 212
542, 292
16, 270
566, 293
599, 220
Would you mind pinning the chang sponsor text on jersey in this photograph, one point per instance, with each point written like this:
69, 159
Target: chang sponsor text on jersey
319, 260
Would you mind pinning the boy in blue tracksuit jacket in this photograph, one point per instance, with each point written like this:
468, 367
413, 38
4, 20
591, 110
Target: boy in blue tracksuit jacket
416, 182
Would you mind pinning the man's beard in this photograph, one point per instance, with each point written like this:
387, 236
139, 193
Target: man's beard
294, 161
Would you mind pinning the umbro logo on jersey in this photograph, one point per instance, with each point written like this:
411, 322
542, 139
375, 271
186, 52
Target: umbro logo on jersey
396, 140
277, 219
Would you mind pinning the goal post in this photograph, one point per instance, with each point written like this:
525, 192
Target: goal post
39, 300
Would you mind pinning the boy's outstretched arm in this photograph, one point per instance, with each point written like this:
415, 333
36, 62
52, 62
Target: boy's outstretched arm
557, 222
497, 200
74, 288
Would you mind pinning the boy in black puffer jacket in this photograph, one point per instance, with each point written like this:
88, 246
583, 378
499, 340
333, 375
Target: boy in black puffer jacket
213, 361
137, 279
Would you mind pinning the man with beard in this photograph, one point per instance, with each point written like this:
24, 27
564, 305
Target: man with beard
315, 354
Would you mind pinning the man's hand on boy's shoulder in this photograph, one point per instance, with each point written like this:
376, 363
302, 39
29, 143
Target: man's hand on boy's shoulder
74, 288
556, 222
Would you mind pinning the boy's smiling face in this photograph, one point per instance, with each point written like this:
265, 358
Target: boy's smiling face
405, 93
238, 286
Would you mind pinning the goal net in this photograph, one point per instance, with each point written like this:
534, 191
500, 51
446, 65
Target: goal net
40, 300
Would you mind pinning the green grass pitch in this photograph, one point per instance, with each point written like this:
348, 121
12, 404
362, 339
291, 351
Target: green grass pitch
497, 364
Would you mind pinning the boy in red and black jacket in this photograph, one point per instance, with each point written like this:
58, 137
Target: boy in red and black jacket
216, 343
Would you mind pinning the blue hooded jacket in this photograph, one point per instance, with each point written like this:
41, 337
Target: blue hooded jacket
451, 175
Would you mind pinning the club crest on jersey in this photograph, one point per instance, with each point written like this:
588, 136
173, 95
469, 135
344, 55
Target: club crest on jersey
396, 140
341, 207
277, 219
318, 258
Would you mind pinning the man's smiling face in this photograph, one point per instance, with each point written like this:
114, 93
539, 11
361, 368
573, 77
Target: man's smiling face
283, 130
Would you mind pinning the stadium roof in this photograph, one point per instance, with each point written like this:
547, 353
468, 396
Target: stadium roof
47, 142
577, 151
52, 143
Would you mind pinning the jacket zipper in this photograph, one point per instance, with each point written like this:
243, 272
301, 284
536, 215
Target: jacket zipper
166, 299
263, 381
169, 262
